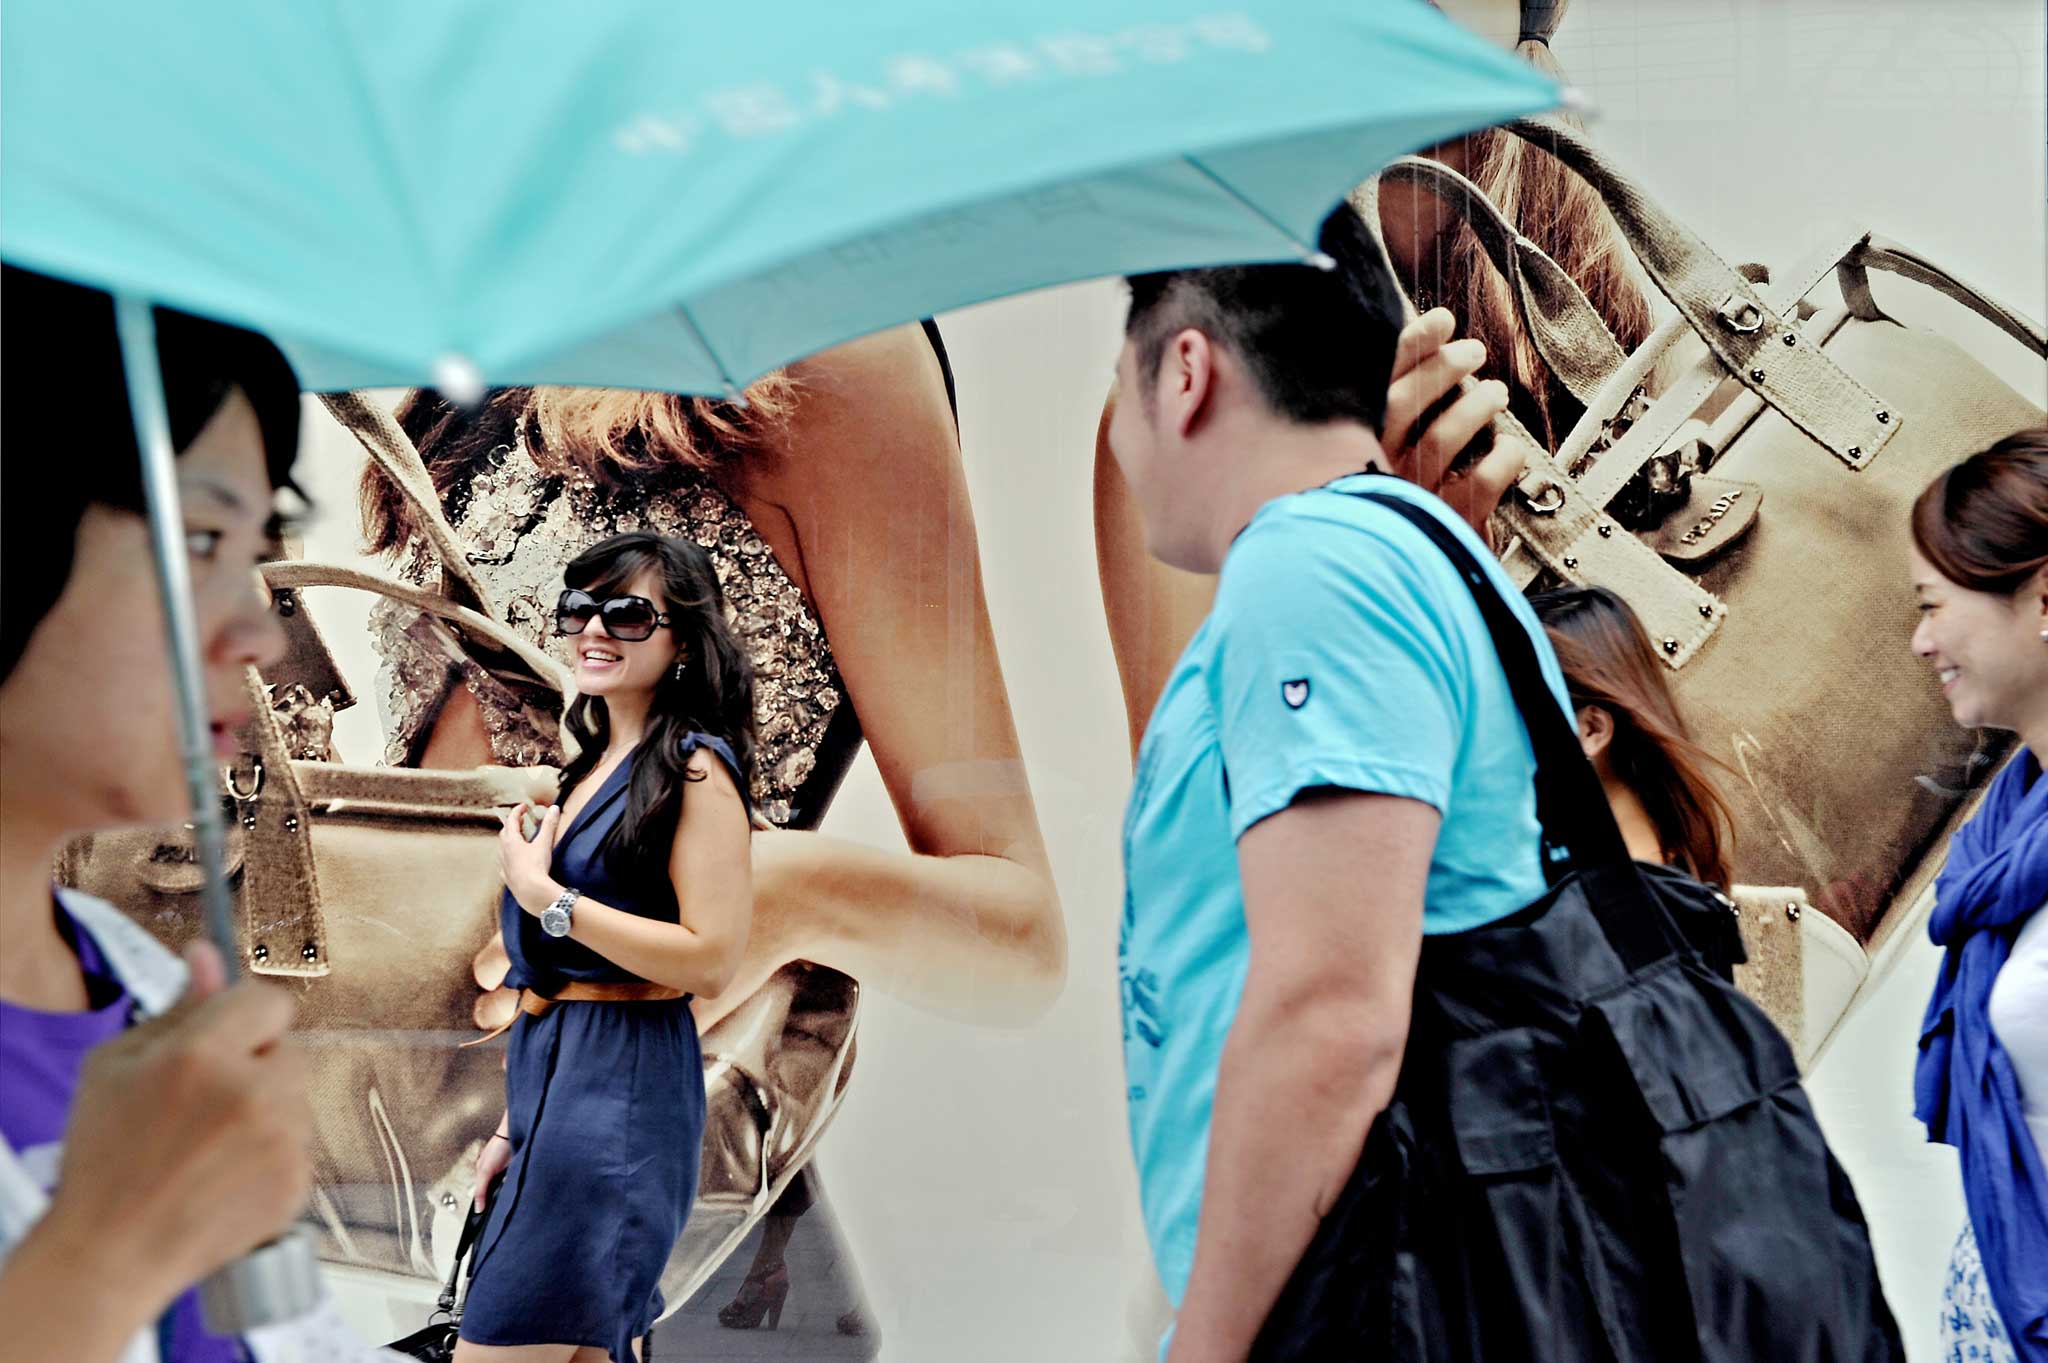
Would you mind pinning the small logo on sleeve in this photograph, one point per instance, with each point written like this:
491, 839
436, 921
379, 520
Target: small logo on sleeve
1295, 692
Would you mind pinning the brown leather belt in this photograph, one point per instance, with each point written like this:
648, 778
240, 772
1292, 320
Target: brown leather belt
585, 991
593, 991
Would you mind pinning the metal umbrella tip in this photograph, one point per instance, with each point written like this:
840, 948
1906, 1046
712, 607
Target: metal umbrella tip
1575, 101
459, 380
1321, 260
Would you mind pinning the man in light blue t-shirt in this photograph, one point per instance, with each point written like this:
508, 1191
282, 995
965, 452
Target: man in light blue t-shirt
1334, 769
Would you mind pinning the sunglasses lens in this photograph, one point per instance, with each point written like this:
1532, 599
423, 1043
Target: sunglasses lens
573, 612
628, 618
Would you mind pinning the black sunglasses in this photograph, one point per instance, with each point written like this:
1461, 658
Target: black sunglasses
626, 618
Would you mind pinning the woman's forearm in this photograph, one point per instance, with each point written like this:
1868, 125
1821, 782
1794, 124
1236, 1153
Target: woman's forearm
673, 954
977, 937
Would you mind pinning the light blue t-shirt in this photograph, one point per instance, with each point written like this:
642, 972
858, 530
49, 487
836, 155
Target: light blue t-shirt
1343, 651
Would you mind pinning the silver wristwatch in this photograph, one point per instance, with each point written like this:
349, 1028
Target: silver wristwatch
556, 918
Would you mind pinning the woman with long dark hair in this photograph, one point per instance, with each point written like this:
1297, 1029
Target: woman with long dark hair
1657, 778
1980, 541
633, 893
834, 506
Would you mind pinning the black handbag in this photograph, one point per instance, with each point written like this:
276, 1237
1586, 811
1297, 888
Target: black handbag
434, 1342
1597, 1148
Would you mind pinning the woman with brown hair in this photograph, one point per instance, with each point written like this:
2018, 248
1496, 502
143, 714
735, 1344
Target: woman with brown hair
1659, 783
1655, 776
1661, 786
833, 505
1980, 554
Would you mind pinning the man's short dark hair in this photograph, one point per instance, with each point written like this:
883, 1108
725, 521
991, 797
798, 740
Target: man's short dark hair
70, 437
1318, 343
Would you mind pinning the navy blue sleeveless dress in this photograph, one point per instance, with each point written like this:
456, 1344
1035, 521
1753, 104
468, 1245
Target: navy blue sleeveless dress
605, 1106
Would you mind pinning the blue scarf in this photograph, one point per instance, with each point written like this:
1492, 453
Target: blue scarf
1963, 1086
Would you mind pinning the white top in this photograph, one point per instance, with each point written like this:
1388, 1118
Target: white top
154, 978
2019, 1015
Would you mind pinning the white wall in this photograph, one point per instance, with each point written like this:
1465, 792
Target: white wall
983, 1175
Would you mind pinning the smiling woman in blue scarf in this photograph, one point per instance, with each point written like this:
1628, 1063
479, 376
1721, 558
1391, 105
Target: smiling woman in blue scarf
1981, 1085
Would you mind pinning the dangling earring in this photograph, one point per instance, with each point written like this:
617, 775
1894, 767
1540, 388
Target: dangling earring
679, 668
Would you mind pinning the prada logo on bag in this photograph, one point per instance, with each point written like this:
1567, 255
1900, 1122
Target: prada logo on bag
1295, 692
1721, 507
1719, 512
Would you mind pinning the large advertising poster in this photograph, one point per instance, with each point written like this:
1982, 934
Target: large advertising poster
915, 1143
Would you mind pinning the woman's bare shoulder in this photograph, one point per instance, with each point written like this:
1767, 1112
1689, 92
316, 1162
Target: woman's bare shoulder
871, 425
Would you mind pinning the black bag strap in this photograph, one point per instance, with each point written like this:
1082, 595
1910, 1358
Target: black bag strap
1571, 806
472, 1227
1580, 836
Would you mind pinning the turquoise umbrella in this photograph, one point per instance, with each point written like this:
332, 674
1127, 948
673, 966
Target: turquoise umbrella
660, 195
653, 194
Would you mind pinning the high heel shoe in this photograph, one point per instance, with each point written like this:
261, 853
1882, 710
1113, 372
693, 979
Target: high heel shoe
760, 1297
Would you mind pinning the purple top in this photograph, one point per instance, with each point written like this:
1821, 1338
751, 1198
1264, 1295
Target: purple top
41, 1055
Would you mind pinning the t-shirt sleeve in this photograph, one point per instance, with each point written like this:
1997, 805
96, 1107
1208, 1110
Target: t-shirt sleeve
1334, 666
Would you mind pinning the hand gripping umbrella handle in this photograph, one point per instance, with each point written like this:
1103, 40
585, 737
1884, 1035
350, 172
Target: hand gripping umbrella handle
279, 1280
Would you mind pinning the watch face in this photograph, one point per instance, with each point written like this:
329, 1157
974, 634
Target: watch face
554, 921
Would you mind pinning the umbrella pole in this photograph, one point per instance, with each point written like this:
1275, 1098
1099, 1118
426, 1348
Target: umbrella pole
280, 1280
137, 326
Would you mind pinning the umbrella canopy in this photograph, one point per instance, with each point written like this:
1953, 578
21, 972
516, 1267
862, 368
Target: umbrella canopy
648, 194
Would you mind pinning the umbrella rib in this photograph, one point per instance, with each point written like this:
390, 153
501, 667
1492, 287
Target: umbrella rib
1310, 255
732, 389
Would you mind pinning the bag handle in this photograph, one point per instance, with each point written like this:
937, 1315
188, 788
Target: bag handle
1561, 520
1726, 311
295, 574
1568, 331
472, 1227
288, 936
1884, 254
1847, 254
392, 450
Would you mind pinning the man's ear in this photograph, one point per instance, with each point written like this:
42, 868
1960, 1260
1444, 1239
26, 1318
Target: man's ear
1188, 381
